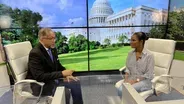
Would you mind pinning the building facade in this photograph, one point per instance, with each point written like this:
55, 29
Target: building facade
101, 14
178, 9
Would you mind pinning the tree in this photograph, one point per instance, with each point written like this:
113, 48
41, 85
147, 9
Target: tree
5, 10
77, 43
27, 20
122, 38
91, 45
72, 44
157, 32
176, 25
10, 36
97, 44
61, 43
107, 41
94, 45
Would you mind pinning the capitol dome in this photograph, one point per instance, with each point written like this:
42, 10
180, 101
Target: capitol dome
99, 11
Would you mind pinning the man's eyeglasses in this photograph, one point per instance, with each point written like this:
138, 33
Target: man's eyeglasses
52, 38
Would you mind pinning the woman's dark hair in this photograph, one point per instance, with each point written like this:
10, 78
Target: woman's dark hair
141, 36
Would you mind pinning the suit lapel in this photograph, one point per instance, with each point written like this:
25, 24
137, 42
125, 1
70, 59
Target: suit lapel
43, 50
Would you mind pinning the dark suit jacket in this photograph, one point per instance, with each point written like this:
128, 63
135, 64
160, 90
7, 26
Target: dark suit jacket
42, 69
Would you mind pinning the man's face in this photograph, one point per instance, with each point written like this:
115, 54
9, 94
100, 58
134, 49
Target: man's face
49, 40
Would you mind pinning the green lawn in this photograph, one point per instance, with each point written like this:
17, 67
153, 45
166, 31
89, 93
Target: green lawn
179, 55
100, 59
108, 59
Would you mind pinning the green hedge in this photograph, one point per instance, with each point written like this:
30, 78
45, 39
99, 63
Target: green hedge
180, 45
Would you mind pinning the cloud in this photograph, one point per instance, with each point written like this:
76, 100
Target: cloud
62, 4
48, 20
24, 4
65, 4
67, 32
119, 5
51, 21
35, 6
74, 22
54, 12
44, 1
153, 3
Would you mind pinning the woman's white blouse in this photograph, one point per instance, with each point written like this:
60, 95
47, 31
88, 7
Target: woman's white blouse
143, 67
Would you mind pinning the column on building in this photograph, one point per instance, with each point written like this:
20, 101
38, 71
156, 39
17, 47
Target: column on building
126, 20
123, 20
129, 19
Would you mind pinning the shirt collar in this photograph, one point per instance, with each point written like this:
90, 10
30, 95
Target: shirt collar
45, 47
144, 51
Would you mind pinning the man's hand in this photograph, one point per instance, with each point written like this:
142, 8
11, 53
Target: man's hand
66, 73
71, 78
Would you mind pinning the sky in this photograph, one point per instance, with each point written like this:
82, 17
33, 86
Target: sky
64, 13
119, 5
55, 12
176, 3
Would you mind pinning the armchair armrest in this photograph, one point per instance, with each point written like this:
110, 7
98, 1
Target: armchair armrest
155, 79
19, 89
122, 69
30, 81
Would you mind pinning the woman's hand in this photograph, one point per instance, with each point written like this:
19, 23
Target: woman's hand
130, 81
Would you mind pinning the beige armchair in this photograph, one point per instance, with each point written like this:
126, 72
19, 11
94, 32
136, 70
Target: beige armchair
4, 79
17, 55
163, 51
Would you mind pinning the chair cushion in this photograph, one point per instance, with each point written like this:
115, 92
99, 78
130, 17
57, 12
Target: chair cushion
18, 58
163, 51
160, 45
4, 78
18, 50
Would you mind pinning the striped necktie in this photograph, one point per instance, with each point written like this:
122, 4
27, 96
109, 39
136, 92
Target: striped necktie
50, 54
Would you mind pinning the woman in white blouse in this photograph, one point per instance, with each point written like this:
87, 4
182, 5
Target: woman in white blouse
139, 65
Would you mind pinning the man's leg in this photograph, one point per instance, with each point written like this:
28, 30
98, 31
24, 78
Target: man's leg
67, 95
76, 92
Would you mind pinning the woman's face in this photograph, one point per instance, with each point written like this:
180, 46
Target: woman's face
134, 42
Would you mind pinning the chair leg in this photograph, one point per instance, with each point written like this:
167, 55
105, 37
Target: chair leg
154, 92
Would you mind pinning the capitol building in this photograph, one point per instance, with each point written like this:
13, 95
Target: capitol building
101, 14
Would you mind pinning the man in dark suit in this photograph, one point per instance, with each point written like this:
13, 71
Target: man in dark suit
44, 66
